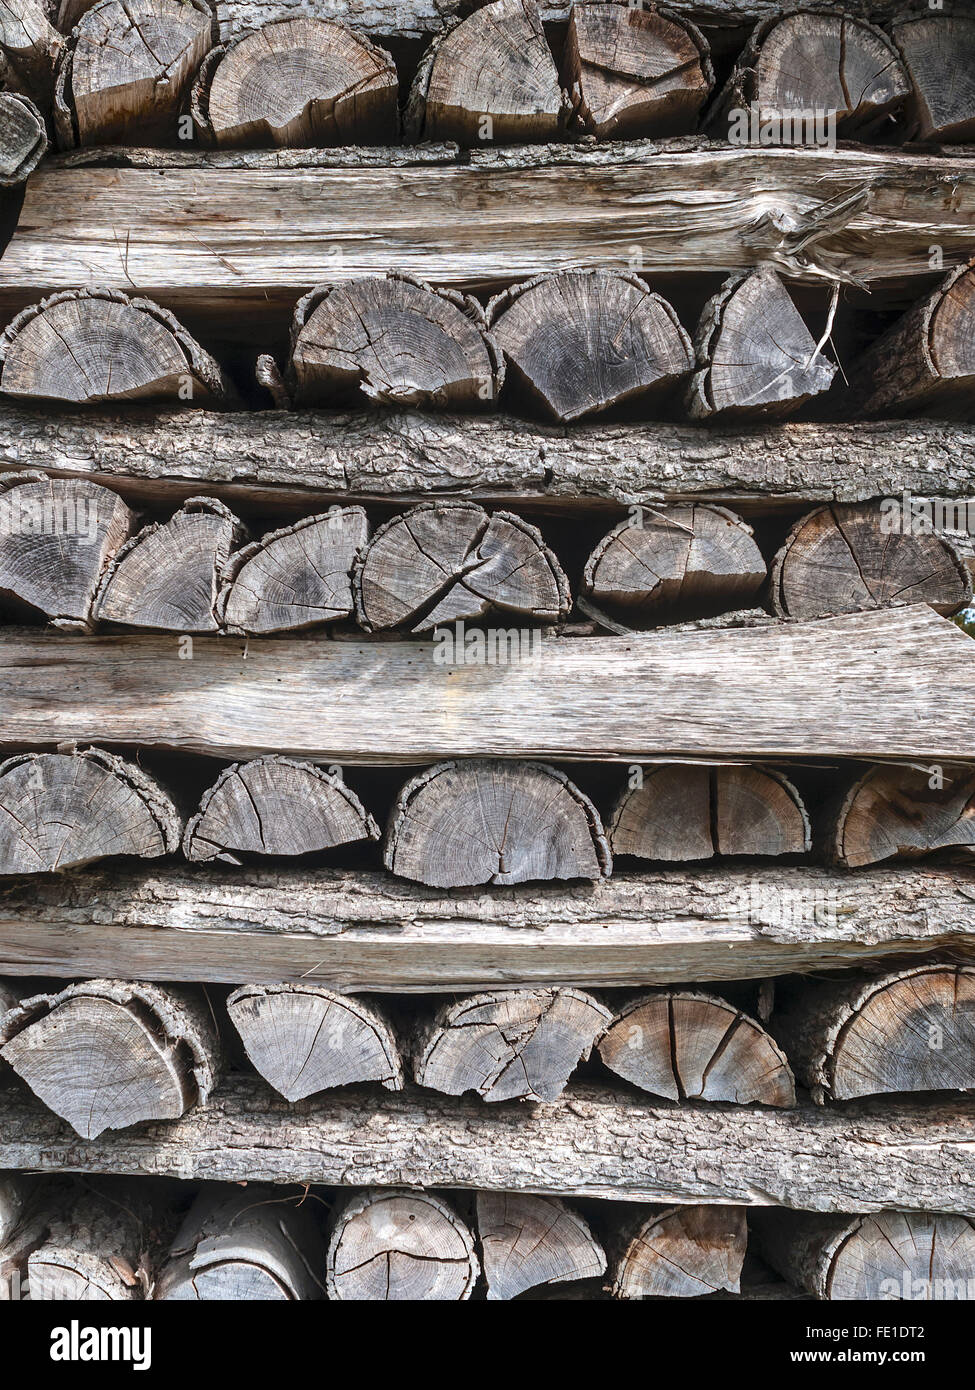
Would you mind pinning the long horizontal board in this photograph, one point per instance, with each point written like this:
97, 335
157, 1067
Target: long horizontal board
273, 459
895, 684
371, 932
594, 1142
235, 247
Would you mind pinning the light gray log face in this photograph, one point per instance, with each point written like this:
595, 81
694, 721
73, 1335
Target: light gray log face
91, 1252
681, 1252
23, 138
529, 1241
392, 1246
867, 1155
890, 684
369, 932
942, 101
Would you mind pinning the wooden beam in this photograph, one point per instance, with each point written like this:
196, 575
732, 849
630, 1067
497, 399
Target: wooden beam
888, 684
354, 931
593, 1142
273, 460
231, 241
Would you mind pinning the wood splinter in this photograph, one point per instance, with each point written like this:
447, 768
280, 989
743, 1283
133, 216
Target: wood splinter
680, 1252
106, 1054
396, 1246
303, 1038
528, 1242
896, 812
508, 1044
23, 138
460, 824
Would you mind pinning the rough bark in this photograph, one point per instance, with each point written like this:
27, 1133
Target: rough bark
13, 1204
107, 1054
687, 1045
533, 1242
390, 1246
448, 562
844, 559
509, 1044
935, 49
680, 1252
461, 824
93, 1252
903, 813
23, 138
582, 341
63, 810
295, 83
694, 812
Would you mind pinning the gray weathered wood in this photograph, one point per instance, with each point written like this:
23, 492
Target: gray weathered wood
529, 1242
93, 1251
32, 45
23, 138
680, 1252
903, 813
392, 1246
936, 51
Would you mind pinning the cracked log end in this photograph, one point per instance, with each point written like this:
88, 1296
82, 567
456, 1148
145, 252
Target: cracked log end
937, 52
23, 138
528, 1242
903, 813
681, 1252
393, 1246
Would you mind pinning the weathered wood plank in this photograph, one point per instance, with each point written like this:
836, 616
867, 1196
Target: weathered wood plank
593, 1142
370, 932
236, 246
889, 684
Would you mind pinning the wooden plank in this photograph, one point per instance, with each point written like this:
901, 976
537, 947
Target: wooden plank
235, 246
593, 1142
355, 931
890, 684
274, 460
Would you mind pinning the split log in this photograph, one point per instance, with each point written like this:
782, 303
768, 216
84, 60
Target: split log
96, 345
683, 811
936, 50
826, 64
924, 363
888, 1255
464, 823
126, 72
688, 1045
32, 44
391, 1246
910, 1030
447, 562
255, 1246
582, 341
303, 1038
528, 1242
13, 1204
845, 559
57, 538
634, 72
675, 563
681, 1252
275, 805
509, 1044
94, 1251
396, 340
23, 137
106, 1054
295, 83
490, 77
903, 813
297, 577
62, 810
754, 354
167, 576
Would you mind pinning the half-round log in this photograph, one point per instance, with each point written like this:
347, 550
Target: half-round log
57, 538
392, 1246
460, 824
676, 563
681, 1252
936, 50
687, 1045
754, 353
448, 562
32, 44
396, 340
297, 577
95, 345
303, 1038
528, 1242
683, 812
297, 83
515, 1044
275, 805
845, 558
582, 341
127, 70
106, 1054
93, 1251
490, 77
23, 138
903, 813
910, 1030
167, 576
633, 72
62, 810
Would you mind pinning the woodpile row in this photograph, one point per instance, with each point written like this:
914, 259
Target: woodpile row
487, 777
